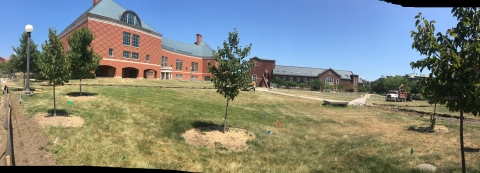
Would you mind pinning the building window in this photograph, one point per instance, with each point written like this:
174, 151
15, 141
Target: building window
284, 71
164, 61
298, 79
126, 54
150, 73
284, 78
178, 76
194, 66
337, 81
291, 78
110, 52
126, 38
178, 64
305, 79
255, 64
254, 77
134, 55
147, 58
195, 77
136, 40
131, 19
329, 79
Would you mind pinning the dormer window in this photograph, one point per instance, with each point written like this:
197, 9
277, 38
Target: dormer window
131, 18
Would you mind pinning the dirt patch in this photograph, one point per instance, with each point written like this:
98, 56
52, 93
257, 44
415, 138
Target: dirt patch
45, 120
438, 128
31, 146
427, 167
81, 98
213, 137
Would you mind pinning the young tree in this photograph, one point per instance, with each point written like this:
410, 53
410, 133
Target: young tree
54, 65
19, 58
316, 84
232, 72
341, 87
278, 81
83, 59
302, 85
452, 58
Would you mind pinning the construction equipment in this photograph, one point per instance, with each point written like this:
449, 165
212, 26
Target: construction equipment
399, 95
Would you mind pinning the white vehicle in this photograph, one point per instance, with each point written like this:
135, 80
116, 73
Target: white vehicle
392, 96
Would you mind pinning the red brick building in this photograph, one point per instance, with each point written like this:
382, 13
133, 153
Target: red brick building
130, 48
330, 76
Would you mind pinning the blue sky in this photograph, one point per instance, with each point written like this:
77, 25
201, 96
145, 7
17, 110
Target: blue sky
370, 38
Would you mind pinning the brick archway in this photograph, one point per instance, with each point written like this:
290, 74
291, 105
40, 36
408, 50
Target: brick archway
105, 71
130, 72
150, 73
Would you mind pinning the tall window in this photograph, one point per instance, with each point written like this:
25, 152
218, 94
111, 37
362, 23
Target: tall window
329, 79
178, 76
134, 55
126, 54
195, 66
147, 58
164, 61
136, 40
126, 38
254, 78
305, 79
110, 52
291, 78
178, 64
284, 78
298, 79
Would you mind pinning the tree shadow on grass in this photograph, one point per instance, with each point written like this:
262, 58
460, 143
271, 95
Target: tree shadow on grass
471, 150
77, 94
204, 126
60, 112
423, 129
20, 89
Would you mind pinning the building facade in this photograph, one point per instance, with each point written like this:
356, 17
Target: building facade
130, 48
335, 78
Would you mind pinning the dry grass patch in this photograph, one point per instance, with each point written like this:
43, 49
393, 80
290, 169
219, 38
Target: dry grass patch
81, 98
45, 120
234, 139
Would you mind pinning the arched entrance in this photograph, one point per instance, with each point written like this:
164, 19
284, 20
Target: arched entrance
129, 72
149, 73
105, 71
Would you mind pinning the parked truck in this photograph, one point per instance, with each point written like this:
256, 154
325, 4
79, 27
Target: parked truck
399, 95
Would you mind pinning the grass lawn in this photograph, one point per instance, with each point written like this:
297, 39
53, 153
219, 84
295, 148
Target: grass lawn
315, 138
136, 82
323, 95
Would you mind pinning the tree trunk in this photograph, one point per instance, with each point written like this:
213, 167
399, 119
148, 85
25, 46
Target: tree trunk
461, 141
54, 102
225, 121
24, 82
80, 86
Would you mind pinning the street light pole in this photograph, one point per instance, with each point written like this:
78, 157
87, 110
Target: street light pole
29, 30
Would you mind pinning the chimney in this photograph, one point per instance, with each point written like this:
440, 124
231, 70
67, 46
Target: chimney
199, 39
96, 1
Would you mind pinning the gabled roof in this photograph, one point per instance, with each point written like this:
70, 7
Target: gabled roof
202, 50
110, 9
307, 71
262, 59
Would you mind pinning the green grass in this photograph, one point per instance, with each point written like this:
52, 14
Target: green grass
417, 105
317, 138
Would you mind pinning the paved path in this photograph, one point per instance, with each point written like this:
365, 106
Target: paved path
358, 101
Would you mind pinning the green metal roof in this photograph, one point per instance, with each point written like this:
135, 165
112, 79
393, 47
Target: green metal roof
202, 50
